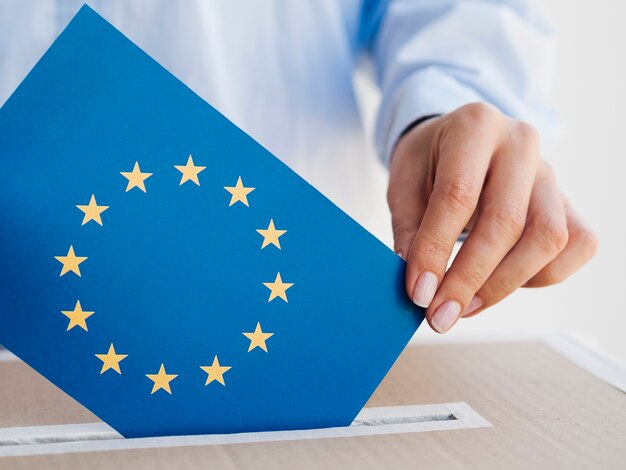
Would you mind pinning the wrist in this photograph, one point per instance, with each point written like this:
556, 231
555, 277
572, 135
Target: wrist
417, 122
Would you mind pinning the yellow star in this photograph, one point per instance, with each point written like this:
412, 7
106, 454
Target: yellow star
161, 380
278, 288
70, 262
77, 316
271, 235
136, 179
111, 360
189, 171
92, 211
258, 338
215, 371
239, 193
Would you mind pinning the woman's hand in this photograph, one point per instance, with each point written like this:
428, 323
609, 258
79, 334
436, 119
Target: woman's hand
479, 170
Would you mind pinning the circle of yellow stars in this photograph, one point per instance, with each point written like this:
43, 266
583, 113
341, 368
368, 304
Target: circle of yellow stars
92, 212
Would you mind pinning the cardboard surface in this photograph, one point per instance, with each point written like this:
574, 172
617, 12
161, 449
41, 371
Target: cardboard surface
168, 272
546, 412
28, 399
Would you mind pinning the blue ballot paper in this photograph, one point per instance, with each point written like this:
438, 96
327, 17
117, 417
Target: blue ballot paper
168, 272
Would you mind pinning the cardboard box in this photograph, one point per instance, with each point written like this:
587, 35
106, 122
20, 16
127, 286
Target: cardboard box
500, 405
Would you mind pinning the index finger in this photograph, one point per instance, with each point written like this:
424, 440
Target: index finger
466, 148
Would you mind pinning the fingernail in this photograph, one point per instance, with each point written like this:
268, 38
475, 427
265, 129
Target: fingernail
425, 289
445, 315
399, 253
474, 305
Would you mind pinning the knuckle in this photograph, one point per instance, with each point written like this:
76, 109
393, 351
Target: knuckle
546, 171
552, 236
435, 248
394, 198
503, 286
526, 134
480, 113
549, 277
402, 230
586, 240
508, 220
554, 275
497, 288
470, 278
459, 194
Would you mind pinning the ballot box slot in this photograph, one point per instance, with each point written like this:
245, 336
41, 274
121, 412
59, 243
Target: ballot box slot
404, 419
371, 421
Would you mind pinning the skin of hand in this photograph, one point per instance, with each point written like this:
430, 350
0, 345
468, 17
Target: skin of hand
476, 169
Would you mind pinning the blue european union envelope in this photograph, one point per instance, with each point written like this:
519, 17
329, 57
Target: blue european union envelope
168, 272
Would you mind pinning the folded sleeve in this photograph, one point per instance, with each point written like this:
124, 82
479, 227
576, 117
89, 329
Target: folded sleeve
433, 56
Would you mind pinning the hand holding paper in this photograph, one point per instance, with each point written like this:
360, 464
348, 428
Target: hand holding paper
478, 170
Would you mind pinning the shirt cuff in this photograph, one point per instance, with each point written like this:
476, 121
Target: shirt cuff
424, 93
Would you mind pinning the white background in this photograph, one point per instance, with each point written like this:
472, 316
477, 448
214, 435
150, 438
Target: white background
590, 162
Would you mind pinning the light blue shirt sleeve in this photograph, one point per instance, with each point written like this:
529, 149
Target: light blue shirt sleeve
433, 56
